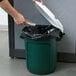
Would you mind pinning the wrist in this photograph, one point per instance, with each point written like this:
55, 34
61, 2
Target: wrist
15, 15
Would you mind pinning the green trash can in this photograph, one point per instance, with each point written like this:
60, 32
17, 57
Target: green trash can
41, 54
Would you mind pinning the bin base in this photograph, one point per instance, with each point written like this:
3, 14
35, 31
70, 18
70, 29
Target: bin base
41, 73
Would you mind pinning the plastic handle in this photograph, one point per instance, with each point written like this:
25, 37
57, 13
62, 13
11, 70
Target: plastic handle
30, 23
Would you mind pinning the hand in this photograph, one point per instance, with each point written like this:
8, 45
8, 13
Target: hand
40, 1
20, 20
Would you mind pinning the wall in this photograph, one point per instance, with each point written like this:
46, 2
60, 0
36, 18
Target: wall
64, 10
3, 19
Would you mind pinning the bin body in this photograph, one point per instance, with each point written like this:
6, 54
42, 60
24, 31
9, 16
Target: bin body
41, 55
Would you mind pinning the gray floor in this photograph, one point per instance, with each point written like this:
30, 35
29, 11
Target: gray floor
17, 67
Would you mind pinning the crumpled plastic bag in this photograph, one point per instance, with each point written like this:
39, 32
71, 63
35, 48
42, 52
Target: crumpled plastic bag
41, 32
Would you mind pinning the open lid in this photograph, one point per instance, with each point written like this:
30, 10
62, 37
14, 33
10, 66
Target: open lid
49, 16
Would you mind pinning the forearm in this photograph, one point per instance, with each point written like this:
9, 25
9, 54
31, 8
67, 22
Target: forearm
8, 8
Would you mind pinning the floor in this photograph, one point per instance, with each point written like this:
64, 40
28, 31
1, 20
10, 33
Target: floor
17, 67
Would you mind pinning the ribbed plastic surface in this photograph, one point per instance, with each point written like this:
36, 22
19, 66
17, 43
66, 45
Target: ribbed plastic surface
41, 56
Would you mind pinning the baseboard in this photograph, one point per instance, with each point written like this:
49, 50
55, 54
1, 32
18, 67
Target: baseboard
61, 57
3, 28
67, 57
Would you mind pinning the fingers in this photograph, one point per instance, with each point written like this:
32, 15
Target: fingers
20, 20
40, 1
22, 23
34, 1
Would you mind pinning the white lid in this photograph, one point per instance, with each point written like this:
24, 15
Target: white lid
49, 16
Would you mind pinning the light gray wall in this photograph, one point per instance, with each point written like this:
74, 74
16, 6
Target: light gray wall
3, 18
28, 9
64, 10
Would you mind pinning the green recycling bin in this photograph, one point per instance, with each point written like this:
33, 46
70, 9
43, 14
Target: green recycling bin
41, 56
41, 48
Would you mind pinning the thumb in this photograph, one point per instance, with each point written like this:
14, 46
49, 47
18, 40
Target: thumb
34, 1
41, 1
